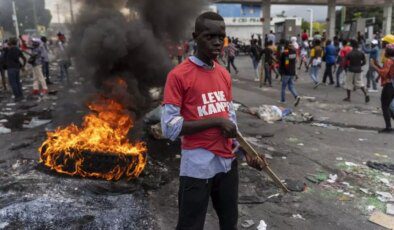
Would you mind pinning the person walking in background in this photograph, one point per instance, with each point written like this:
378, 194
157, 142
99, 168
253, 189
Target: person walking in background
45, 59
343, 64
3, 66
255, 53
304, 36
373, 57
268, 63
330, 56
12, 61
315, 61
304, 55
180, 52
353, 81
386, 74
271, 37
287, 67
275, 57
231, 50
36, 61
63, 58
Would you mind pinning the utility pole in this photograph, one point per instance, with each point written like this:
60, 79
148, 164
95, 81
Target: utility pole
35, 14
311, 23
15, 19
343, 17
71, 11
58, 13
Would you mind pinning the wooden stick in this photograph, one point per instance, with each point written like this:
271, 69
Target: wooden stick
252, 152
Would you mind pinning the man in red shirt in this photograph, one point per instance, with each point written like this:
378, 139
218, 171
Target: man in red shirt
304, 36
346, 49
197, 105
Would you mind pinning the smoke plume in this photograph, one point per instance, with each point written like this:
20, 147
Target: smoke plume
107, 44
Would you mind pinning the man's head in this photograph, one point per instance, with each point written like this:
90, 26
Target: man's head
389, 53
209, 35
12, 42
354, 44
328, 42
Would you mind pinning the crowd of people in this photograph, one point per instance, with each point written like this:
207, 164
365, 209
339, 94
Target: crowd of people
30, 57
342, 58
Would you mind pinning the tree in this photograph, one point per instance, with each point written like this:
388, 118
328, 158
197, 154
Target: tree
305, 25
25, 13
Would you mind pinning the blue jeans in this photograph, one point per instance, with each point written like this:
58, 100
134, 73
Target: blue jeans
255, 66
64, 70
288, 81
371, 78
15, 82
45, 69
315, 74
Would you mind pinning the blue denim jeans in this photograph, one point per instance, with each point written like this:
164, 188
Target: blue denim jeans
64, 65
315, 74
371, 78
45, 69
288, 81
15, 82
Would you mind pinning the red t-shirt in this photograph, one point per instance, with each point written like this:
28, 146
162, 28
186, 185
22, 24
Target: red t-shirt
343, 53
201, 94
304, 36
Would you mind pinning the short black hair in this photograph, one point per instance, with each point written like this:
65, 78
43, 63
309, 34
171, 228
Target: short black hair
389, 52
199, 25
13, 41
354, 43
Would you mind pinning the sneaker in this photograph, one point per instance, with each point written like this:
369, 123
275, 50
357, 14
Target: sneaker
347, 99
367, 99
36, 92
316, 85
386, 130
373, 90
297, 101
256, 79
44, 92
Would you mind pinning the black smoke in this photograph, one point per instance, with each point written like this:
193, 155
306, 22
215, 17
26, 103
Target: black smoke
107, 44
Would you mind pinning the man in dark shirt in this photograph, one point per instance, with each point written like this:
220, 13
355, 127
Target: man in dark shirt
356, 60
12, 60
287, 68
268, 61
2, 66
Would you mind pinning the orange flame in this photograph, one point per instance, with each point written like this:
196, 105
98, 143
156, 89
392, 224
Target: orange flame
102, 132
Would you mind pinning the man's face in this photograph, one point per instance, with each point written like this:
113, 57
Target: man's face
210, 38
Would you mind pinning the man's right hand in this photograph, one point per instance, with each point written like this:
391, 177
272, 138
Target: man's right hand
228, 128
